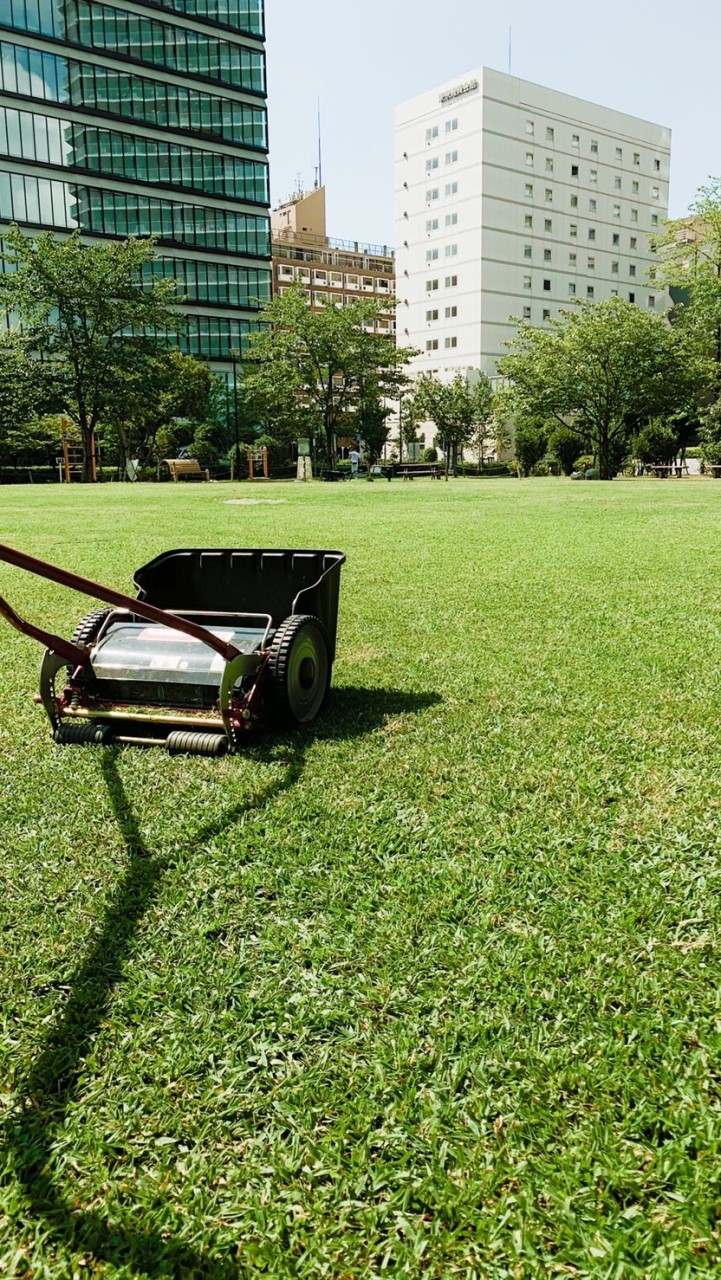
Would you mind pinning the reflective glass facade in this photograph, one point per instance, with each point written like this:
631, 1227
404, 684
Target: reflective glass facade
121, 123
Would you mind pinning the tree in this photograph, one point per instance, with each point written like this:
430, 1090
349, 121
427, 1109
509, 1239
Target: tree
689, 252
321, 357
165, 396
455, 408
87, 312
530, 443
656, 442
601, 370
566, 446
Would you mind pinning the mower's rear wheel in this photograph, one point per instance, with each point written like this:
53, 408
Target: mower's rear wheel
298, 672
88, 628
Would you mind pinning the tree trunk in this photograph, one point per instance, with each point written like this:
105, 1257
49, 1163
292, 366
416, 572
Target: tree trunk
604, 457
87, 429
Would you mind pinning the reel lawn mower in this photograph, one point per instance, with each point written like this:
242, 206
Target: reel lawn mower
216, 644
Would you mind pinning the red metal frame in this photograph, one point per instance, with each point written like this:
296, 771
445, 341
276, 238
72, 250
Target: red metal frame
74, 653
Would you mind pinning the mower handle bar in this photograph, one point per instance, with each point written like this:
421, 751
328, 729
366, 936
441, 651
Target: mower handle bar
74, 653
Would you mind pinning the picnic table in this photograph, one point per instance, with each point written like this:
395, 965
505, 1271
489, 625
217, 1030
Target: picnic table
667, 469
415, 469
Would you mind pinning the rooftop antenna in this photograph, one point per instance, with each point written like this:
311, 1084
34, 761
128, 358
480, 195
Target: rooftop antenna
510, 49
320, 153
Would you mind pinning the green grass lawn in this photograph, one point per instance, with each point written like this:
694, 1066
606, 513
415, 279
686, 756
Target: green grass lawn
431, 989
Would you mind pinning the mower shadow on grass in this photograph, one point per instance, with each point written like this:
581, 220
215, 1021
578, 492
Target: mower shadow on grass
50, 1084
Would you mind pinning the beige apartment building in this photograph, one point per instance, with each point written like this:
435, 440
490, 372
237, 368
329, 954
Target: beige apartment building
331, 271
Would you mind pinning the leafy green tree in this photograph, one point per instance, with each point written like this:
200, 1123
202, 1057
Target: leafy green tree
322, 357
566, 447
456, 409
530, 442
656, 442
85, 309
166, 395
689, 253
598, 370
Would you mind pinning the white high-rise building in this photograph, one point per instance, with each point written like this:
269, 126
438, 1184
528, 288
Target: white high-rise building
511, 201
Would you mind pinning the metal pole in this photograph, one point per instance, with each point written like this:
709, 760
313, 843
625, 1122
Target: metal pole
234, 360
400, 429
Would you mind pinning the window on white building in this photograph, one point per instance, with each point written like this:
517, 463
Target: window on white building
530, 127
592, 205
591, 264
528, 220
617, 184
573, 229
432, 224
548, 224
546, 255
431, 255
637, 158
614, 293
593, 176
549, 195
432, 194
547, 286
617, 211
451, 219
451, 157
546, 314
431, 286
451, 126
634, 215
634, 242
451, 313
549, 133
451, 250
574, 202
431, 164
451, 342
572, 259
526, 282
526, 313
571, 289
529, 189
619, 153
549, 164
651, 300
654, 219
614, 268
431, 315
529, 157
632, 269
657, 166
451, 188
632, 297
527, 251
654, 193
575, 140
634, 188
432, 344
594, 147
592, 233
589, 291
616, 239
432, 133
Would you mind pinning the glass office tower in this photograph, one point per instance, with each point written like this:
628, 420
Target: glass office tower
146, 117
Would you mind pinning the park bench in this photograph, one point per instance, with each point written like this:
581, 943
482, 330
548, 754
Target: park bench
329, 474
430, 469
185, 469
667, 469
378, 470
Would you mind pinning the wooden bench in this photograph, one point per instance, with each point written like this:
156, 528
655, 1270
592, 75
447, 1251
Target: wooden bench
185, 469
410, 473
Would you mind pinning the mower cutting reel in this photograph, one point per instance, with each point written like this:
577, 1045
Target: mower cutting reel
216, 644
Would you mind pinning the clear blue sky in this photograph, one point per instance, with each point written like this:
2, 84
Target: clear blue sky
655, 60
